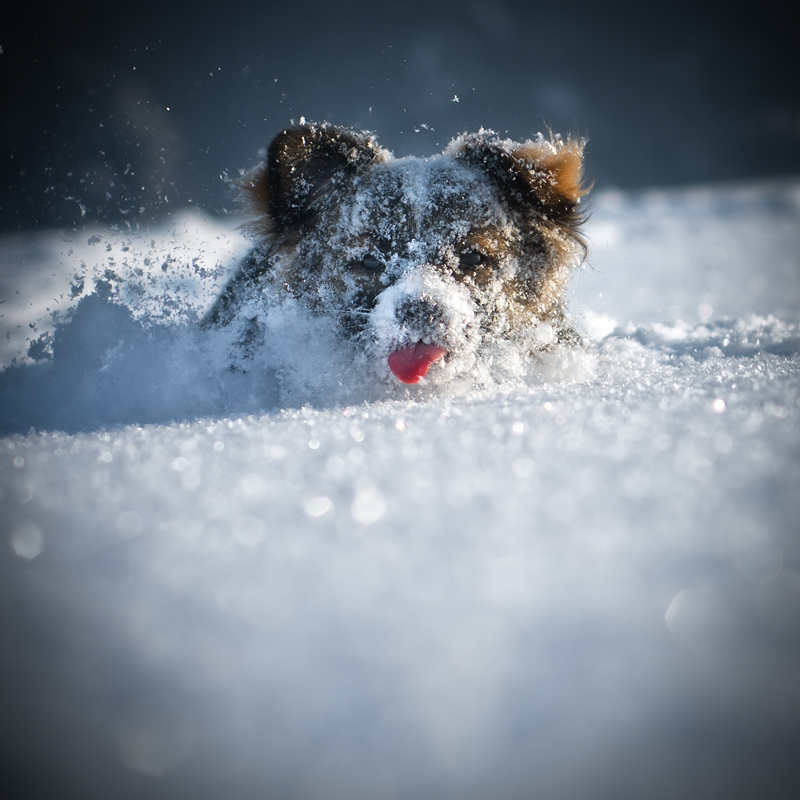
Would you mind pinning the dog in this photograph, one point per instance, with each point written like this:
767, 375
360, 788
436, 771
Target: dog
430, 265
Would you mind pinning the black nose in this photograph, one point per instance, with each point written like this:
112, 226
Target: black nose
418, 311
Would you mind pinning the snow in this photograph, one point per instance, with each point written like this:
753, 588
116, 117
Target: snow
578, 581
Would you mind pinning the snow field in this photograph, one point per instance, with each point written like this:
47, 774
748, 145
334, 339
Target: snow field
584, 581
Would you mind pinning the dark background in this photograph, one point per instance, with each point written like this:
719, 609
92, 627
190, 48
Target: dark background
125, 111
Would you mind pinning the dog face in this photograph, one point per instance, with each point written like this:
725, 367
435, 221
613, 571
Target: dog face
422, 261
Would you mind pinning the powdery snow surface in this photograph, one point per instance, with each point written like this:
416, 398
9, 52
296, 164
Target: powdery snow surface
291, 579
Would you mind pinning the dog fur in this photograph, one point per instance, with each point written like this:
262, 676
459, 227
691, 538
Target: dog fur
460, 251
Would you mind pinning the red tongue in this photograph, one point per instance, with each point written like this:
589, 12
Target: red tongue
409, 364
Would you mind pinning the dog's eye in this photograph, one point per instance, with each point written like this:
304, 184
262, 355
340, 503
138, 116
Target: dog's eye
370, 263
473, 259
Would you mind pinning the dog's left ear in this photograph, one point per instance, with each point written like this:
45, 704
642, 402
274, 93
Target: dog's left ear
542, 175
303, 165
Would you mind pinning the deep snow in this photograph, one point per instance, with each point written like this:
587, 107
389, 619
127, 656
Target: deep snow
581, 582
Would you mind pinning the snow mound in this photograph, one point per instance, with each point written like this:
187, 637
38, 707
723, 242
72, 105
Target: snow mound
750, 336
106, 366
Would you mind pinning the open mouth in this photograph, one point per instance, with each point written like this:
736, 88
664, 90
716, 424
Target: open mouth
410, 364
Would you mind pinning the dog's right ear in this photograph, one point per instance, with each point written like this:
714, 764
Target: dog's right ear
303, 165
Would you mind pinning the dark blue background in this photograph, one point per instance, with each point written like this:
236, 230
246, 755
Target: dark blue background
125, 111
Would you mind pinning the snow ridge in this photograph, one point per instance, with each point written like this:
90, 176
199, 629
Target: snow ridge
108, 367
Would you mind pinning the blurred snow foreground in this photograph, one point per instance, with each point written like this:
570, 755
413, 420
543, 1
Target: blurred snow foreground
582, 580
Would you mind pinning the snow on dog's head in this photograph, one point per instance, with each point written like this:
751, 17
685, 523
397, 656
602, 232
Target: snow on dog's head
430, 266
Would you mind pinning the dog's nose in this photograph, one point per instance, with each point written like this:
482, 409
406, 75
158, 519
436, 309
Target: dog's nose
416, 311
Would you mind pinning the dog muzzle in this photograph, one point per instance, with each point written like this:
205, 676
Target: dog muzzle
420, 320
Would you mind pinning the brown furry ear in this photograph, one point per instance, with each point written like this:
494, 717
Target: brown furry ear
303, 164
543, 175
555, 169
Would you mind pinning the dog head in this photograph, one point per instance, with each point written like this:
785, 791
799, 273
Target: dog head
422, 261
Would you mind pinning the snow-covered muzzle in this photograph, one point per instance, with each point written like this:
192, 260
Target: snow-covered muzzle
423, 308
